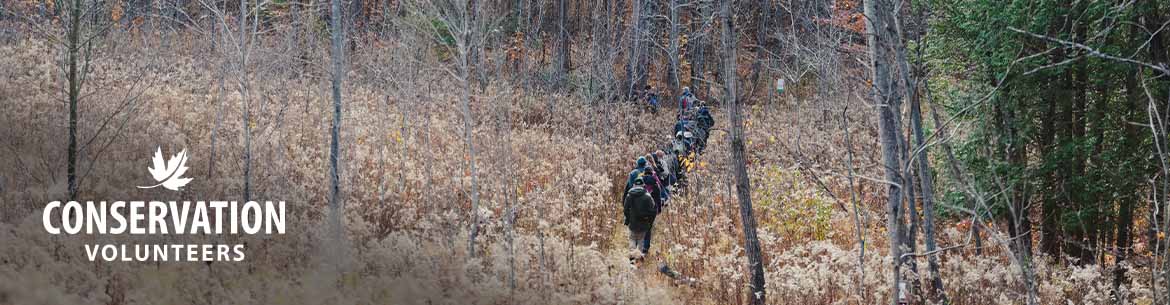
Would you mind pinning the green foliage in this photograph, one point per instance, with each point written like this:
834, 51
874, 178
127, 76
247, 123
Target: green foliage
1067, 112
794, 209
442, 33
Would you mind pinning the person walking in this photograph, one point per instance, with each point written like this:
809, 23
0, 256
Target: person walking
639, 167
639, 212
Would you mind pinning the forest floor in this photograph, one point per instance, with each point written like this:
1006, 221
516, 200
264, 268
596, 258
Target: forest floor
550, 166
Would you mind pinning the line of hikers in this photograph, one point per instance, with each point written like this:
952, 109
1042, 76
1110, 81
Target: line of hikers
657, 174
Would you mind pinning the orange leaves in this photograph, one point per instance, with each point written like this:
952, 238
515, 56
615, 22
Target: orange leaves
516, 49
847, 15
116, 11
963, 225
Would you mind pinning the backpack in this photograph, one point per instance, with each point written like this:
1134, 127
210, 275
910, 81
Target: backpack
650, 187
641, 204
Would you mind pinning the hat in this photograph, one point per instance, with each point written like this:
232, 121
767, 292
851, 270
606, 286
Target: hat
641, 161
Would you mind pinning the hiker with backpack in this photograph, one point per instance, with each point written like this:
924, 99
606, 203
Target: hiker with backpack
651, 99
639, 167
652, 184
703, 116
685, 100
689, 140
678, 153
664, 173
663, 179
639, 210
705, 121
682, 124
666, 169
679, 145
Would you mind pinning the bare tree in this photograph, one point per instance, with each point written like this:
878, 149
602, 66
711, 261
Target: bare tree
337, 73
672, 47
74, 46
242, 67
83, 31
461, 27
926, 189
676, 29
563, 54
761, 40
922, 163
881, 41
467, 50
697, 47
743, 183
635, 70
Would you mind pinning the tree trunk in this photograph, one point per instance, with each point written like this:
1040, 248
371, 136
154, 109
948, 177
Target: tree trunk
910, 206
74, 95
468, 51
358, 19
563, 55
742, 181
1050, 240
633, 62
1123, 243
761, 41
242, 69
672, 80
925, 175
1081, 195
880, 39
926, 189
335, 131
697, 50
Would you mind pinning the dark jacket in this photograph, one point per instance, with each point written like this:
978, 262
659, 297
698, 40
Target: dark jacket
653, 186
705, 119
680, 125
639, 210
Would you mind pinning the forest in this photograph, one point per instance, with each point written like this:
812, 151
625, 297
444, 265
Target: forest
480, 152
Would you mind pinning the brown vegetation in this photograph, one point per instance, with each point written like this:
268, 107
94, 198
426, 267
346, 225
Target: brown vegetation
549, 164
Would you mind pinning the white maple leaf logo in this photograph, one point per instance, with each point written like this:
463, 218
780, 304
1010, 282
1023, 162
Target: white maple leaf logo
169, 174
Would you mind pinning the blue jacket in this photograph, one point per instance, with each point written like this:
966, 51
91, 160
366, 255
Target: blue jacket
704, 117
